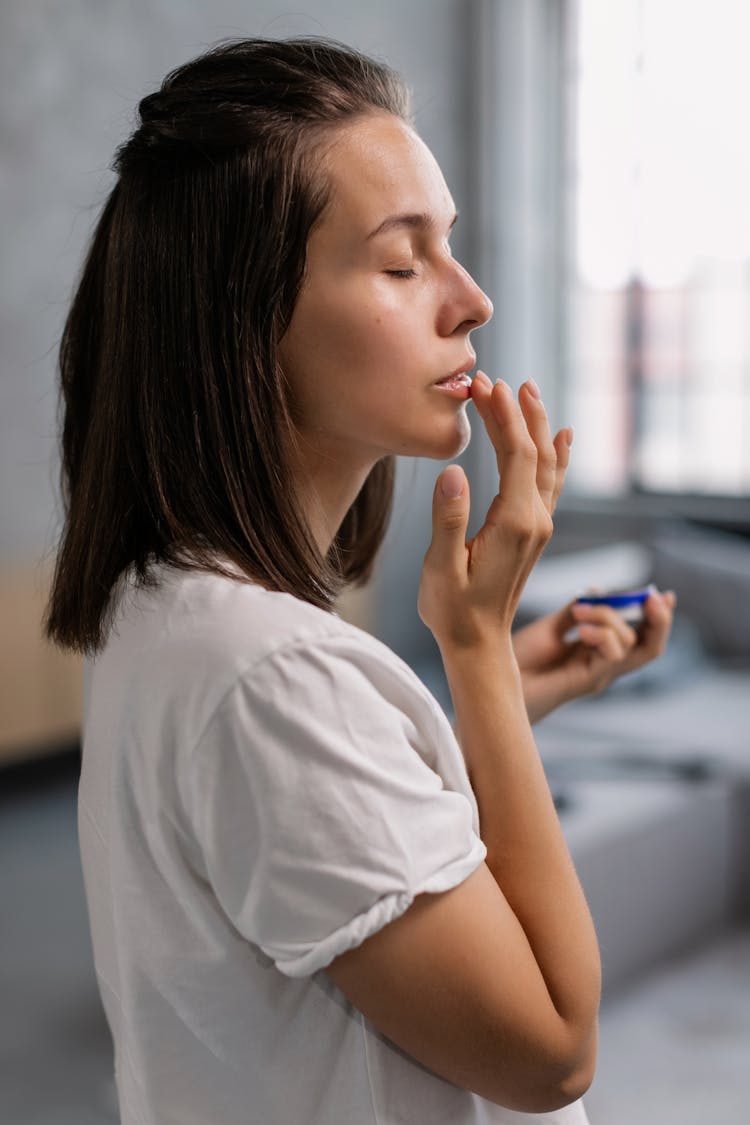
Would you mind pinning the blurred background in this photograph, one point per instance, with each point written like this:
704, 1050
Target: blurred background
599, 157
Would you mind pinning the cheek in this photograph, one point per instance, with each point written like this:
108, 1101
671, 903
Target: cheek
366, 342
353, 340
398, 333
324, 330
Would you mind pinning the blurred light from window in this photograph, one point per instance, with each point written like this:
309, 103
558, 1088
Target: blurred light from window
660, 312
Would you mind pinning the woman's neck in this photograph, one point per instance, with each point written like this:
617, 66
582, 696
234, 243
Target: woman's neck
327, 490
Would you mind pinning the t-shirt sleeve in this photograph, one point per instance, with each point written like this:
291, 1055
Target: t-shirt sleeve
319, 818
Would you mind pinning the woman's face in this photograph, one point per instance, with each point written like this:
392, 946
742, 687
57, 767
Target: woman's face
385, 310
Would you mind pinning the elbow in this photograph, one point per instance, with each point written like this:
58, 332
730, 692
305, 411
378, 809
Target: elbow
555, 1084
570, 1079
546, 1096
575, 1084
576, 1067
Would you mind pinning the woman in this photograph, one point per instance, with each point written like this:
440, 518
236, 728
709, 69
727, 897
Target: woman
309, 904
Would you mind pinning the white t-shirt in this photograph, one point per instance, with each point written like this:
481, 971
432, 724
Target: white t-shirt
263, 786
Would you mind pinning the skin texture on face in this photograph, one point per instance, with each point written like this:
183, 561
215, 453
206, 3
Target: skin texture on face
385, 311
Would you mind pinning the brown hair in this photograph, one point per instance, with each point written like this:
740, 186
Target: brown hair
176, 421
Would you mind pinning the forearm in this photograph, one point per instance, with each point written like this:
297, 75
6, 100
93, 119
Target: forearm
526, 850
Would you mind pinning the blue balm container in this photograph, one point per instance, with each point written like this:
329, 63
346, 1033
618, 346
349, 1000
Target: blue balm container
627, 603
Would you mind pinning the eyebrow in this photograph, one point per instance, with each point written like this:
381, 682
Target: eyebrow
418, 220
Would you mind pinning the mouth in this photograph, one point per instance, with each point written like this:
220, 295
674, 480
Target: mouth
458, 379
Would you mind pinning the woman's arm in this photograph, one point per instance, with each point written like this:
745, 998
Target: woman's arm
495, 984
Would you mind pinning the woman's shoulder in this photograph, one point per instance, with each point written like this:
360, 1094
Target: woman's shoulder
231, 624
201, 609
194, 641
194, 649
235, 630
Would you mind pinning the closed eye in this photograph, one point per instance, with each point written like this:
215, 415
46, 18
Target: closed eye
401, 273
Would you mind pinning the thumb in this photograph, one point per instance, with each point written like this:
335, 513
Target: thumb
450, 517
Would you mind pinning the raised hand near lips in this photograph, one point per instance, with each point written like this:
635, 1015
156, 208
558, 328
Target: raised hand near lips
470, 588
469, 591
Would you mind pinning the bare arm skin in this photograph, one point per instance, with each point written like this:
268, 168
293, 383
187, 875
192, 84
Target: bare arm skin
495, 984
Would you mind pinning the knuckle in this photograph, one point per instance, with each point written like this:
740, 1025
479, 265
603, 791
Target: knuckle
520, 524
548, 457
452, 521
522, 446
528, 525
528, 451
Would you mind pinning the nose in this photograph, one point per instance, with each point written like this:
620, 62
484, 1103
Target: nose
466, 306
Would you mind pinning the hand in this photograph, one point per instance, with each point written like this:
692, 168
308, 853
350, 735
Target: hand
469, 591
554, 671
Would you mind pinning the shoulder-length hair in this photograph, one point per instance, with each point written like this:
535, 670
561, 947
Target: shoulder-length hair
176, 422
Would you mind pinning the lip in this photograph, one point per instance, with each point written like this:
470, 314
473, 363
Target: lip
461, 387
462, 370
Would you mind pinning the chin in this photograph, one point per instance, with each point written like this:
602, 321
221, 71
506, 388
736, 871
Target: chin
442, 443
454, 443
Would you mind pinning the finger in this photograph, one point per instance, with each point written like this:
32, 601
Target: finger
563, 442
515, 450
537, 423
482, 389
658, 617
517, 462
607, 641
659, 606
450, 518
603, 616
500, 413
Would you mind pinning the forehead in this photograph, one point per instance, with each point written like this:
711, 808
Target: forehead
376, 167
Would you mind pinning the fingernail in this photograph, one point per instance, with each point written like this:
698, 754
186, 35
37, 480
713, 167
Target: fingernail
503, 386
569, 436
452, 482
533, 387
480, 377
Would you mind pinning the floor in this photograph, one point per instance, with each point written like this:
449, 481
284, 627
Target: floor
675, 1047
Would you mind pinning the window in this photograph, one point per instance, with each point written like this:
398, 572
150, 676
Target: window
658, 382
